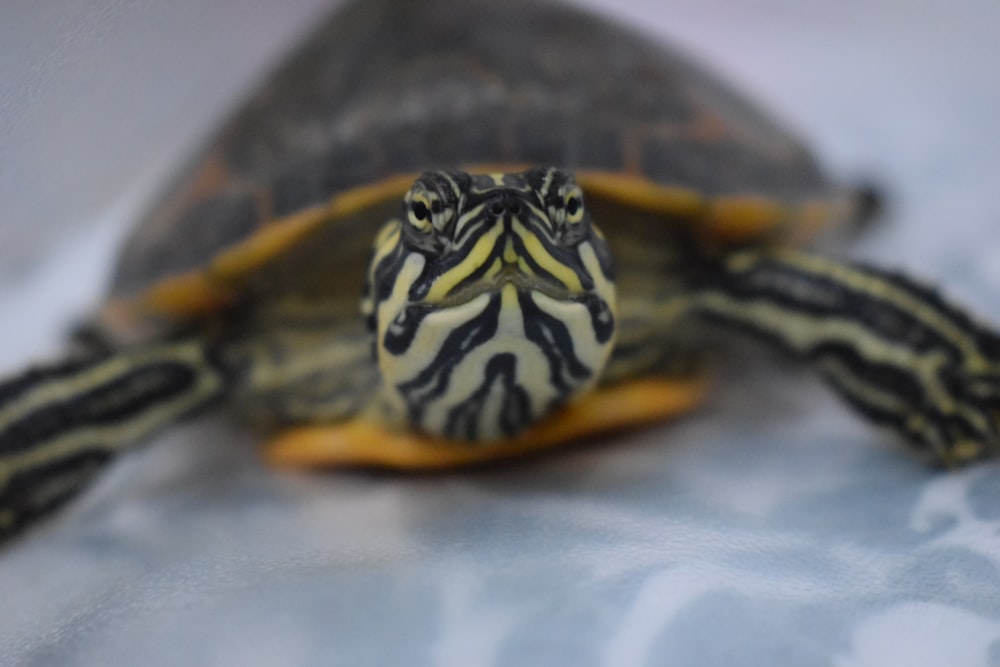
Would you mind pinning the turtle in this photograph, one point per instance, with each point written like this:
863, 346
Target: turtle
453, 232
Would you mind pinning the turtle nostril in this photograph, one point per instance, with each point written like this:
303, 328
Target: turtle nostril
505, 203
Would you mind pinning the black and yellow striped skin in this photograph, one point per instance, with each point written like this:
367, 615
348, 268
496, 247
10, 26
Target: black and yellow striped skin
288, 362
492, 302
59, 425
896, 350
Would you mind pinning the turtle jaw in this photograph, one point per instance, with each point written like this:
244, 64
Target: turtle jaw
510, 276
489, 366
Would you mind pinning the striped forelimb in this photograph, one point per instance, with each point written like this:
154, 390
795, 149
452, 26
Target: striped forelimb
896, 350
60, 424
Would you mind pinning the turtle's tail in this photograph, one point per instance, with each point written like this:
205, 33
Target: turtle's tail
895, 349
60, 424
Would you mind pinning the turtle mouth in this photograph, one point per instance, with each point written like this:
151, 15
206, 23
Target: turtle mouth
508, 276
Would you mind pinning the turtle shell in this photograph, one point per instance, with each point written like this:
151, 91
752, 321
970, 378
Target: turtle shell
300, 178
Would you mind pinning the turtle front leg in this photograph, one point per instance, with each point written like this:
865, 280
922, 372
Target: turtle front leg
367, 442
60, 424
895, 349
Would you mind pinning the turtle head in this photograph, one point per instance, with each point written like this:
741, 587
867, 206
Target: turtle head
492, 301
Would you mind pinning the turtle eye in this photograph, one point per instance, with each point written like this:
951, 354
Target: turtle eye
419, 213
573, 204
419, 210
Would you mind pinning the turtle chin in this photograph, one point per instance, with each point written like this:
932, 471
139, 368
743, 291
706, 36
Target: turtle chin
489, 366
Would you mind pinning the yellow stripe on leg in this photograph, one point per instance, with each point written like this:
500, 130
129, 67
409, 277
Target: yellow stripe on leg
364, 443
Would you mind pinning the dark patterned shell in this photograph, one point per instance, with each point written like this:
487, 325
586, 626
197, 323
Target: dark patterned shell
388, 87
